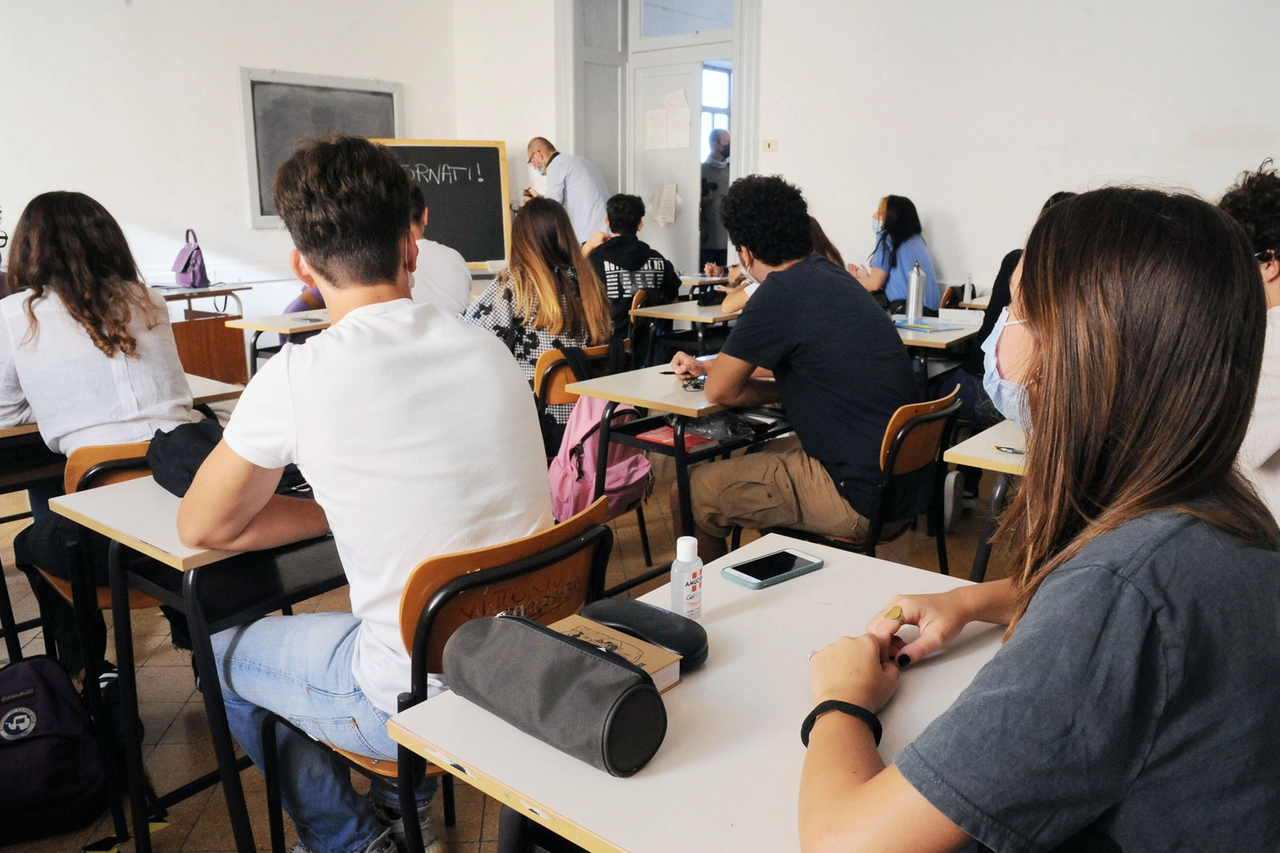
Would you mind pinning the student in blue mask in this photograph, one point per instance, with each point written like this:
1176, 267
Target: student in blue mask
1132, 705
899, 245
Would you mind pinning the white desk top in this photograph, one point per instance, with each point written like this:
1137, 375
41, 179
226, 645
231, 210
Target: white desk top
728, 774
651, 388
202, 391
979, 451
285, 324
703, 280
980, 302
175, 293
137, 513
935, 340
690, 312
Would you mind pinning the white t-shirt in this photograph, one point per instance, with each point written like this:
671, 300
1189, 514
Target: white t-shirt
1260, 452
418, 435
78, 394
442, 278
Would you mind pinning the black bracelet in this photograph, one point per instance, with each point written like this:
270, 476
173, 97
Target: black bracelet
872, 721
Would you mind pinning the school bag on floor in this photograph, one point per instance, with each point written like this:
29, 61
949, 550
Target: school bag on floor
52, 777
573, 471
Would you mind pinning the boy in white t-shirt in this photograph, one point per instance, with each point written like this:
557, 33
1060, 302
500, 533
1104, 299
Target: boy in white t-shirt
408, 456
442, 277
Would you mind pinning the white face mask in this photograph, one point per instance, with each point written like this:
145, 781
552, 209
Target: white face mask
877, 225
1009, 398
746, 276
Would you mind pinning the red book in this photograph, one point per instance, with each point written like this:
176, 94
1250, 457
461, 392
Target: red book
666, 435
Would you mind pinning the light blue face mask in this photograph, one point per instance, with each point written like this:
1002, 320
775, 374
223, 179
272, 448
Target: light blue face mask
1009, 398
876, 226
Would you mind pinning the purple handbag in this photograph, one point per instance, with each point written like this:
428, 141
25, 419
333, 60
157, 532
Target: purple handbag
190, 264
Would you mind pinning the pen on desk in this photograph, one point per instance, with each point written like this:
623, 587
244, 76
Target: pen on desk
1009, 449
668, 373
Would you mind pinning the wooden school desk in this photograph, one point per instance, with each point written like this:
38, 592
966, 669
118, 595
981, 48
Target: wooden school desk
923, 347
204, 343
700, 316
979, 451
978, 302
215, 589
282, 324
657, 388
728, 774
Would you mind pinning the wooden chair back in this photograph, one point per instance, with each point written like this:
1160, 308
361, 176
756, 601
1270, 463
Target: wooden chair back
950, 298
91, 461
639, 299
918, 441
444, 592
551, 374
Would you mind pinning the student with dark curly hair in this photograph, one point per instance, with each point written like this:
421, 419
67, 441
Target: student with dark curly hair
838, 365
899, 246
1254, 202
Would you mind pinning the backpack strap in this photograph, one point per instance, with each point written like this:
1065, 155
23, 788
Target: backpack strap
577, 363
617, 356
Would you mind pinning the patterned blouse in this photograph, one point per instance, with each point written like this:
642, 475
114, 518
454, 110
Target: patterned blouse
494, 311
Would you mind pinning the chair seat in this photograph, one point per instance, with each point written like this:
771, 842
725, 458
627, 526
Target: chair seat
138, 600
382, 766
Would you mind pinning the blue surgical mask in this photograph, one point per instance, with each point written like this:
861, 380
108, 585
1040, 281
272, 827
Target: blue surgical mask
877, 226
1009, 398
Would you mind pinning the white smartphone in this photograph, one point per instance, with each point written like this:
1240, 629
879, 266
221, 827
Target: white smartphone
771, 568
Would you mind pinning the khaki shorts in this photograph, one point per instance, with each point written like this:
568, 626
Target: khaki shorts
772, 488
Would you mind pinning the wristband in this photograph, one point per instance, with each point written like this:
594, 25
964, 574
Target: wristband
872, 721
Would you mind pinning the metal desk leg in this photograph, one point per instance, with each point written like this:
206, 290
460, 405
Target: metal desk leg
253, 352
682, 478
702, 342
999, 497
211, 689
129, 701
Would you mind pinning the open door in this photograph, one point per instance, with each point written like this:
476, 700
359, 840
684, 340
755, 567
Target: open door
665, 148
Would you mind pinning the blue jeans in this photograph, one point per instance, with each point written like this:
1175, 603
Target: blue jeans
300, 668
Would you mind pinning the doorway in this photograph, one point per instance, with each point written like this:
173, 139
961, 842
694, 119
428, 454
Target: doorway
643, 83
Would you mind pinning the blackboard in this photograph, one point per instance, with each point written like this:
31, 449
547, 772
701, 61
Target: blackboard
465, 185
282, 108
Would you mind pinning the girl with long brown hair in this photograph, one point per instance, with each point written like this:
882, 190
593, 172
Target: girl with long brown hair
1131, 706
549, 297
86, 350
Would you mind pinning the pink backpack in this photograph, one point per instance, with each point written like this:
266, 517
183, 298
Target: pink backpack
573, 471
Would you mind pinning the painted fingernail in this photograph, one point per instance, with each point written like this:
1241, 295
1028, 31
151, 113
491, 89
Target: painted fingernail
903, 661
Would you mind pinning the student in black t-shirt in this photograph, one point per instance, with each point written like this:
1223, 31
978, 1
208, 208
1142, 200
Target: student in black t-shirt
840, 368
625, 263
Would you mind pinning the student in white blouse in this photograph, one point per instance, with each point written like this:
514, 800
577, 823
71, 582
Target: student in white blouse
86, 350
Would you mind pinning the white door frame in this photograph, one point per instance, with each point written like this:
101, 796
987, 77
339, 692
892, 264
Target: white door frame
745, 37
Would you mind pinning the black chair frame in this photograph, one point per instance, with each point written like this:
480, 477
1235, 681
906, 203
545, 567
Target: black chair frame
410, 766
885, 493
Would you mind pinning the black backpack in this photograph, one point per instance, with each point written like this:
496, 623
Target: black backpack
52, 778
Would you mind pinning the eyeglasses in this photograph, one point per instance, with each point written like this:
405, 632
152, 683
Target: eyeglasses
4, 239
694, 383
1262, 257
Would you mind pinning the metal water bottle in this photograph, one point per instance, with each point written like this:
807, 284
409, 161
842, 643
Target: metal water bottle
915, 293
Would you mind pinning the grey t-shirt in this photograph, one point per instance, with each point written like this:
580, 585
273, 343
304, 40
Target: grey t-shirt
1139, 697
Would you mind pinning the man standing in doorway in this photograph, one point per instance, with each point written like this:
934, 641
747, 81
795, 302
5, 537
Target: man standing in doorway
575, 182
715, 180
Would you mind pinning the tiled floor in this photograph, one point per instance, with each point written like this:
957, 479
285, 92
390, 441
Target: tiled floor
177, 737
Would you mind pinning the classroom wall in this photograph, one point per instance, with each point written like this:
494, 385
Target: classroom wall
138, 104
980, 110
504, 65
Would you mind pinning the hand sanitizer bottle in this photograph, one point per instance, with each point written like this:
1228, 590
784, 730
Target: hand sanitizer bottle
686, 579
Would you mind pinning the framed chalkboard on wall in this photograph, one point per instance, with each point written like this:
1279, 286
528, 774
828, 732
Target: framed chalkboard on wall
281, 107
465, 185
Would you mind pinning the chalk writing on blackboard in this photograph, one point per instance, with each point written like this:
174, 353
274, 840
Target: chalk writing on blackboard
424, 174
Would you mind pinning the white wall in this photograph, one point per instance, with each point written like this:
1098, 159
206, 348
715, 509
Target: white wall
138, 105
980, 110
505, 68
